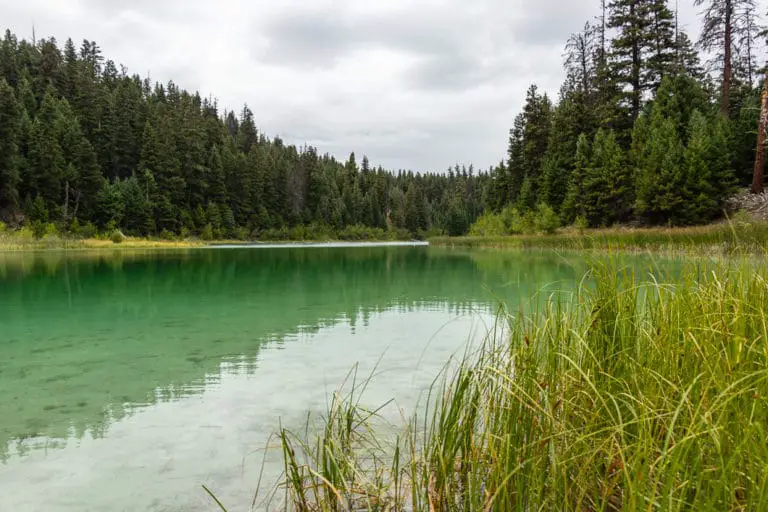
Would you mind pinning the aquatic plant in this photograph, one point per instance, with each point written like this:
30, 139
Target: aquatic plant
638, 394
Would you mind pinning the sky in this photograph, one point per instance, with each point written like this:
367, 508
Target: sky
417, 85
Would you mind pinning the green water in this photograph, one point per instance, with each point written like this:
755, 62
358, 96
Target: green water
129, 379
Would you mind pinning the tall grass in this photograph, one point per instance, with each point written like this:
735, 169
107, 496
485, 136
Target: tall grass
635, 395
723, 238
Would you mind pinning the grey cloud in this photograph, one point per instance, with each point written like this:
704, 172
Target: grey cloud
322, 36
552, 21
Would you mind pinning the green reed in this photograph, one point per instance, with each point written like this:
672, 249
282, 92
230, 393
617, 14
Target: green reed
723, 238
637, 394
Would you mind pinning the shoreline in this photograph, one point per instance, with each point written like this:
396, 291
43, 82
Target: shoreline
95, 244
717, 238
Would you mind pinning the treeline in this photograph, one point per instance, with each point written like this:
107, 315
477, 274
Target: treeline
640, 132
86, 146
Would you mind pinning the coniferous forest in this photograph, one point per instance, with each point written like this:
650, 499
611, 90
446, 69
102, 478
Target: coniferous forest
649, 128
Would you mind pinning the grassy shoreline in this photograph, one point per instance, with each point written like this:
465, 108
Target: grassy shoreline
722, 238
638, 395
19, 244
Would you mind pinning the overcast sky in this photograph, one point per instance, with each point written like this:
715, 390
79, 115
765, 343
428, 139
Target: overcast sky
412, 84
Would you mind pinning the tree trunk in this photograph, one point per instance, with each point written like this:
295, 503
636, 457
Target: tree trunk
727, 65
636, 66
758, 176
66, 199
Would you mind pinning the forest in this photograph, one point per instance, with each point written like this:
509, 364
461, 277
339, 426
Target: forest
648, 129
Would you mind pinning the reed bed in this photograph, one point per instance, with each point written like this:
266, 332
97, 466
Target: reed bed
722, 238
637, 393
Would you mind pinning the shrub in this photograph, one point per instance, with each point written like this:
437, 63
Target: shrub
38, 229
581, 223
241, 233
89, 230
117, 237
51, 230
488, 224
546, 220
167, 235
75, 227
3, 227
25, 234
207, 232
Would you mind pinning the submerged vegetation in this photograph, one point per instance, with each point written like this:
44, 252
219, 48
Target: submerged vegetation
637, 395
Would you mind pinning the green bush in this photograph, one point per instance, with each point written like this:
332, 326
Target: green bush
75, 227
581, 223
117, 237
51, 230
167, 235
488, 224
25, 234
38, 229
89, 230
241, 233
3, 227
546, 220
207, 232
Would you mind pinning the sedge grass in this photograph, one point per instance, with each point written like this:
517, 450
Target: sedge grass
722, 238
635, 395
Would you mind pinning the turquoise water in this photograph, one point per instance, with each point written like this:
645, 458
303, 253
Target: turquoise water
131, 378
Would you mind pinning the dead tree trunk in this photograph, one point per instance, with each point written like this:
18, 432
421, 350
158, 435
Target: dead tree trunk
758, 177
66, 200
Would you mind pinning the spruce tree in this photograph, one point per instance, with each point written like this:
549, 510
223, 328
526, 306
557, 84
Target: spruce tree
607, 187
660, 174
643, 50
10, 124
574, 204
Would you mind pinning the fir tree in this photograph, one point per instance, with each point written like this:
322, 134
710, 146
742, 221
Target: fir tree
660, 174
574, 204
607, 186
10, 124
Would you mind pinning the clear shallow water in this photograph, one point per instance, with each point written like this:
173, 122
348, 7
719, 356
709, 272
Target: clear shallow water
127, 380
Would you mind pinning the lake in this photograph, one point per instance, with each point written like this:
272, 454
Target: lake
131, 378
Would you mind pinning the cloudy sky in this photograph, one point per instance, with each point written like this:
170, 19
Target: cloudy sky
412, 84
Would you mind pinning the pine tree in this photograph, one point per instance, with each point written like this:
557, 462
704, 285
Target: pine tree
643, 49
537, 115
10, 124
414, 211
724, 24
687, 58
708, 176
660, 175
573, 116
46, 159
626, 16
607, 186
661, 46
574, 204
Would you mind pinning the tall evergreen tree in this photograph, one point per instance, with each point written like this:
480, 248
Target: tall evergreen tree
10, 124
725, 22
574, 204
607, 186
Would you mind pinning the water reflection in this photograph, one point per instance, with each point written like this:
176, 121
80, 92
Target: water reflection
90, 338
